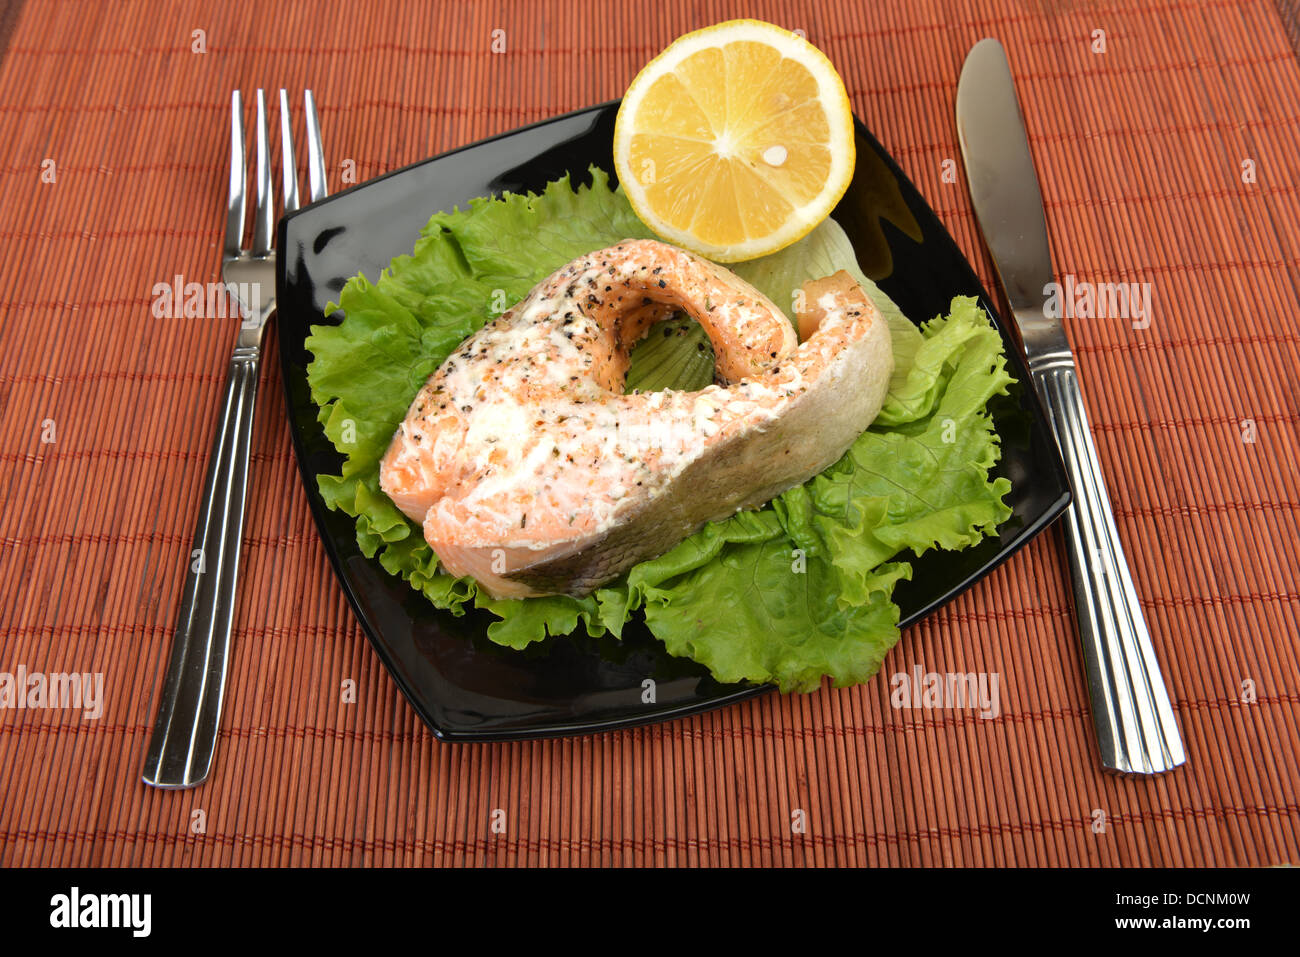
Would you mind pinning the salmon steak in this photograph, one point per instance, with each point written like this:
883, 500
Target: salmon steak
530, 470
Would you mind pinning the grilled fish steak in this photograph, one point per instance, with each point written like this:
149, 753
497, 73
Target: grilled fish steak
532, 472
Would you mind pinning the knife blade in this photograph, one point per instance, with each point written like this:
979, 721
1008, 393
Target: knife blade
1132, 715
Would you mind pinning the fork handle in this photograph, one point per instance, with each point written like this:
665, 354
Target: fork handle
1135, 724
189, 712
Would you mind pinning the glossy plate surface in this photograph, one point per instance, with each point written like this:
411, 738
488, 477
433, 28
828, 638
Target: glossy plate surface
465, 687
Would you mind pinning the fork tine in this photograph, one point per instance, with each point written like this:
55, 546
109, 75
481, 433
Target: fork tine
265, 198
286, 153
238, 178
315, 152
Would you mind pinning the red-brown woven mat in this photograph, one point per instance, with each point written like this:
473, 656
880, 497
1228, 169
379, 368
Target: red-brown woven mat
1141, 151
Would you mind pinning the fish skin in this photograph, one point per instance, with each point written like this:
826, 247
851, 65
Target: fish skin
493, 462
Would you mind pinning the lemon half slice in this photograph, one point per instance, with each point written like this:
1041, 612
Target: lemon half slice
736, 141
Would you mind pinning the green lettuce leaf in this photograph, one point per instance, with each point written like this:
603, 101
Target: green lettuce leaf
467, 267
791, 593
806, 583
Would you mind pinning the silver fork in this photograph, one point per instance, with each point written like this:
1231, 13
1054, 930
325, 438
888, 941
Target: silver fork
189, 712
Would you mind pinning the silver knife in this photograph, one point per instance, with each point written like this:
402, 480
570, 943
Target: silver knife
1136, 730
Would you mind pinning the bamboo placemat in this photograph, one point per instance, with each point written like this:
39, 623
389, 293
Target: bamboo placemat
1141, 151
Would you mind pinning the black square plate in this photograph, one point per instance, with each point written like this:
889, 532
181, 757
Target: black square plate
465, 687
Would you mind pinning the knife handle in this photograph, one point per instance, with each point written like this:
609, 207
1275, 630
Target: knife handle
1135, 724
